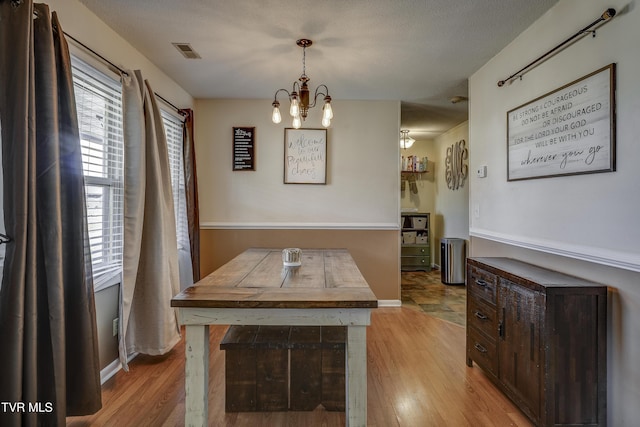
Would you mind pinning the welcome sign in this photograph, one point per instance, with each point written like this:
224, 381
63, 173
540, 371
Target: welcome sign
568, 131
305, 156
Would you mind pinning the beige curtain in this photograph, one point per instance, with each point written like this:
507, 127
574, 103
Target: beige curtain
150, 272
48, 335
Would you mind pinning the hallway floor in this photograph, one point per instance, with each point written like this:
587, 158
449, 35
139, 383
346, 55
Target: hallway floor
424, 291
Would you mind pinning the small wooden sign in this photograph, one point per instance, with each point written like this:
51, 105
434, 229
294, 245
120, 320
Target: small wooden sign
244, 147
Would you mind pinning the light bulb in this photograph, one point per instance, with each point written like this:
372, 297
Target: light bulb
297, 122
295, 108
328, 111
276, 117
326, 122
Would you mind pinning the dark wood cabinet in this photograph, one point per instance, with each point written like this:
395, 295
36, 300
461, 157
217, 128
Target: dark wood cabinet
520, 321
540, 336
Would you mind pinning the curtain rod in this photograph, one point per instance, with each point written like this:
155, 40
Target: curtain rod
178, 110
607, 15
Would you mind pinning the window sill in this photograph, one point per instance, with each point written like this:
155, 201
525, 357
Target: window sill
107, 280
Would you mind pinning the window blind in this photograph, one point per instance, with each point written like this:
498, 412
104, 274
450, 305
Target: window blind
99, 108
173, 131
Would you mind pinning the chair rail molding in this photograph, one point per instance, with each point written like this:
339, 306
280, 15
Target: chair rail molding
299, 225
608, 257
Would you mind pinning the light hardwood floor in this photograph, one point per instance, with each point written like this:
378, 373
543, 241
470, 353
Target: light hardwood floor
417, 377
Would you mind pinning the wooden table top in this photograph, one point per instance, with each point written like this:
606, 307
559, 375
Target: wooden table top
327, 278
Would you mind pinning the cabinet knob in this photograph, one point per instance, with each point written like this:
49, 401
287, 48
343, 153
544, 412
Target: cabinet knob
481, 282
480, 315
480, 348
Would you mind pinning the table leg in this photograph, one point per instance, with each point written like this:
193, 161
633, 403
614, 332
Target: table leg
196, 375
356, 382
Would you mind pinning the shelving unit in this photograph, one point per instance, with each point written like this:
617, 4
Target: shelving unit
415, 253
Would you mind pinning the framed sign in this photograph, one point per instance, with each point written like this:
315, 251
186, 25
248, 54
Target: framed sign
568, 131
305, 156
244, 149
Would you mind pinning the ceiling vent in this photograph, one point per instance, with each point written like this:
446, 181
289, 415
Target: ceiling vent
186, 50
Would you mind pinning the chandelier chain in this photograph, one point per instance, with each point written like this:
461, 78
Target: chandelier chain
304, 61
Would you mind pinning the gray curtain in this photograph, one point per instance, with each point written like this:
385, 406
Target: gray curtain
150, 272
191, 191
48, 332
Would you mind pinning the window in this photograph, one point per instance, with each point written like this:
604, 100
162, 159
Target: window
99, 105
173, 131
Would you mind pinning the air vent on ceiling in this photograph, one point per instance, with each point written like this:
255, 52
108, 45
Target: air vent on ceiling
186, 50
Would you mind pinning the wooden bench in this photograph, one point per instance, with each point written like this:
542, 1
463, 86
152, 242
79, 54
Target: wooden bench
280, 368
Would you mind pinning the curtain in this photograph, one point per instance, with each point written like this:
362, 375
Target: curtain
191, 184
49, 358
150, 272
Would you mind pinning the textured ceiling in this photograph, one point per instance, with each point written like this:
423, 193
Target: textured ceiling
420, 52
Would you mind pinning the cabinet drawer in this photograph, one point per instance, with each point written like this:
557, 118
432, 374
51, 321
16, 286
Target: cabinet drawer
482, 316
482, 283
482, 350
412, 261
415, 250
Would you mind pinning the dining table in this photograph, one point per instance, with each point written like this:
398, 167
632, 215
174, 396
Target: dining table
256, 288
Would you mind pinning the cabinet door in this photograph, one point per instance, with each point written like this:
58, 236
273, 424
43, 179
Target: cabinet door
519, 343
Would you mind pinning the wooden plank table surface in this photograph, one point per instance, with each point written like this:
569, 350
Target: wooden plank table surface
255, 288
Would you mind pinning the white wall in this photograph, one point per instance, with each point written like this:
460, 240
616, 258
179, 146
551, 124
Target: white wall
588, 216
575, 224
452, 206
357, 209
362, 178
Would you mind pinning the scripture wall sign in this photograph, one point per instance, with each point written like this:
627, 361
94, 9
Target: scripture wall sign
568, 131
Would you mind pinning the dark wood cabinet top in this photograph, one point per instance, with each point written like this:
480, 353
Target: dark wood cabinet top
536, 276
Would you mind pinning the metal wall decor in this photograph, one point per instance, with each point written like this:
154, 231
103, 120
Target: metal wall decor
456, 168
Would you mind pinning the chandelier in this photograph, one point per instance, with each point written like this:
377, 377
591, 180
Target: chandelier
299, 96
405, 140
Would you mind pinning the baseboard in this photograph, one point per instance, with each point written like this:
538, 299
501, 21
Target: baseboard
389, 303
112, 368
